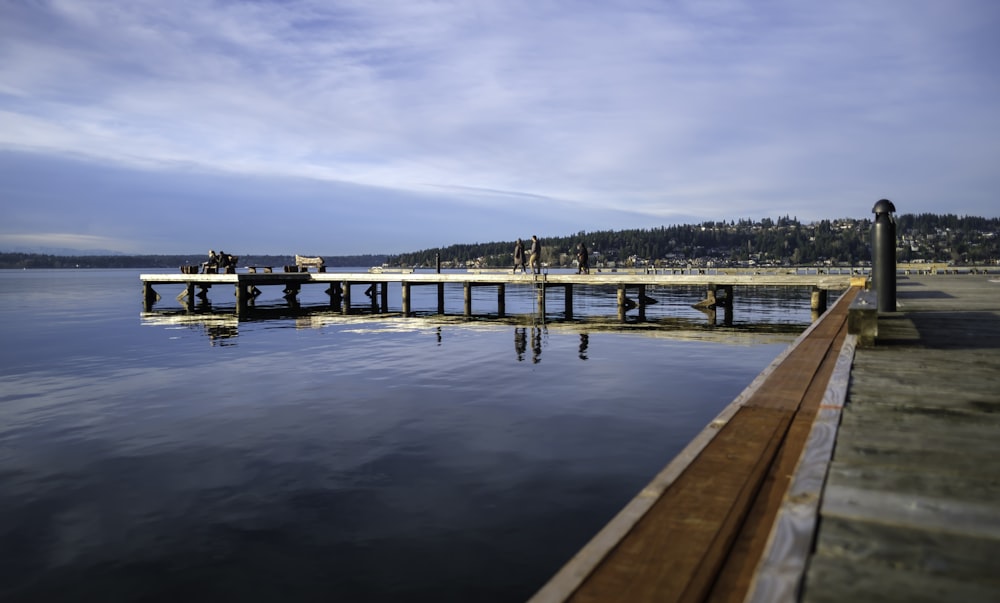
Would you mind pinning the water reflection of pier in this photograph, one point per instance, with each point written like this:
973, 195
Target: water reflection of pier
530, 331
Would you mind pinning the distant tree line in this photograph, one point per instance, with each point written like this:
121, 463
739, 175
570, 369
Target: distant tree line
37, 260
929, 237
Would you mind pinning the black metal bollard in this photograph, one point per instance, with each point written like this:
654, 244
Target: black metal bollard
437, 262
884, 255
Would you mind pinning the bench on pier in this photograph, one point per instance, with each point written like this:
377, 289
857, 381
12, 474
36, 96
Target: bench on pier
253, 269
208, 268
305, 262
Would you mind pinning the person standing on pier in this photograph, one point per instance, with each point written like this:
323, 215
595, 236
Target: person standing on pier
536, 252
582, 259
519, 257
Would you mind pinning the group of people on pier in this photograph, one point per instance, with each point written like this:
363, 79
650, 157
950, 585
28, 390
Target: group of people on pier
219, 260
535, 256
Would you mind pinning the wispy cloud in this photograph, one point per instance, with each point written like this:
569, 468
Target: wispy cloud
663, 110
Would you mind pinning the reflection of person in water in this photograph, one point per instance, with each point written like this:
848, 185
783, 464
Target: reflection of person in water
584, 342
536, 345
520, 342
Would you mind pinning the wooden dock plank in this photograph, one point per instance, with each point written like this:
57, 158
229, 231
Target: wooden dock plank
911, 508
736, 576
863, 581
664, 556
676, 550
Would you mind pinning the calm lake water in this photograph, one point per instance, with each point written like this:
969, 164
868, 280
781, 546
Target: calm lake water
315, 456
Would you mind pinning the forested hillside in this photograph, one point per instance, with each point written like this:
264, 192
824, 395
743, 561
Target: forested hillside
929, 237
785, 241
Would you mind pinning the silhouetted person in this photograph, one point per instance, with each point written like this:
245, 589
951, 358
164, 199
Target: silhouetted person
212, 263
536, 253
582, 259
519, 256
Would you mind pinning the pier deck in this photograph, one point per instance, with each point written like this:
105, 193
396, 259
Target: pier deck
340, 284
910, 510
911, 507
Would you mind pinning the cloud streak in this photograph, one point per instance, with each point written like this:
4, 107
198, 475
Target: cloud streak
603, 113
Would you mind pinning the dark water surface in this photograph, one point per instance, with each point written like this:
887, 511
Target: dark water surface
165, 456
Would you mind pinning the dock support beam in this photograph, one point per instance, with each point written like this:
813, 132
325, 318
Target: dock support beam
501, 300
149, 296
641, 296
712, 297
242, 298
440, 298
622, 303
569, 301
541, 298
347, 298
406, 298
335, 294
467, 291
817, 302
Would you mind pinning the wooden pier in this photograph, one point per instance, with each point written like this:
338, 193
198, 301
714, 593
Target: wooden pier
628, 284
779, 500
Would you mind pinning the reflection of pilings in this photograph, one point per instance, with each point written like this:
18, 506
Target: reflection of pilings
712, 315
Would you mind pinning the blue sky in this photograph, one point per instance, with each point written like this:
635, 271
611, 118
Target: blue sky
343, 127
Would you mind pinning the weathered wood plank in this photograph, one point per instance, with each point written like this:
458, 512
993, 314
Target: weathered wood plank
676, 551
779, 532
669, 556
849, 580
911, 509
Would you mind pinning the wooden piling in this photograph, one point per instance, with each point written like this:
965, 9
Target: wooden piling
641, 295
149, 296
817, 302
569, 301
622, 302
